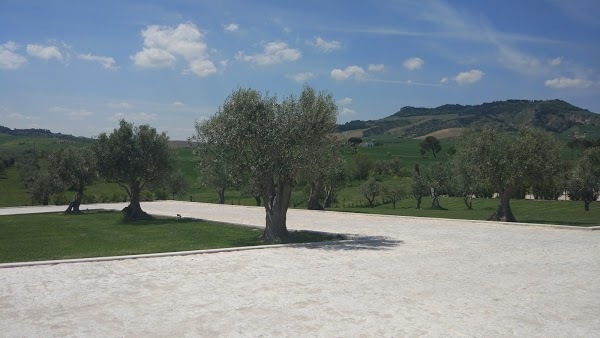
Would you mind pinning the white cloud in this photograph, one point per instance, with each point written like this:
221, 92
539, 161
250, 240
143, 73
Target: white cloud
105, 61
273, 53
469, 77
178, 104
8, 58
230, 28
323, 45
17, 116
44, 52
347, 111
300, 77
345, 101
444, 80
350, 71
135, 117
518, 61
565, 82
413, 63
555, 62
163, 45
376, 67
154, 58
202, 68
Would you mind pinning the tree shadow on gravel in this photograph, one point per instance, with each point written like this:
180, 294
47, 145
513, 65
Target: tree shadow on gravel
357, 243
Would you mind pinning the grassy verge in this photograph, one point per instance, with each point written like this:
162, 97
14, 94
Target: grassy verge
99, 233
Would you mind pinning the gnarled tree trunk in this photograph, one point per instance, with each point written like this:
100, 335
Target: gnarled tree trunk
134, 210
418, 198
503, 212
277, 201
74, 205
468, 199
221, 193
328, 196
435, 200
313, 195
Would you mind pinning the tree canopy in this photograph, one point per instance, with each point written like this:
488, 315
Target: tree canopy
271, 144
508, 162
430, 143
134, 157
585, 179
75, 169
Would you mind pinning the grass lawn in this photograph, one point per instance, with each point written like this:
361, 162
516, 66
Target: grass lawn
527, 211
102, 233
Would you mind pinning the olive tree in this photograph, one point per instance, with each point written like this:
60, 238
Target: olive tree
212, 167
134, 157
585, 180
419, 187
430, 143
507, 161
74, 169
370, 189
272, 143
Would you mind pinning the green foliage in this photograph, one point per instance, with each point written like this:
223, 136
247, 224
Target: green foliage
271, 144
585, 180
395, 190
74, 169
134, 157
419, 186
508, 162
432, 144
361, 166
370, 189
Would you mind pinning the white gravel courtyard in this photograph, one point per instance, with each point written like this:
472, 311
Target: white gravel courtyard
412, 277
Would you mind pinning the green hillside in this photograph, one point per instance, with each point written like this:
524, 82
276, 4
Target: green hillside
556, 116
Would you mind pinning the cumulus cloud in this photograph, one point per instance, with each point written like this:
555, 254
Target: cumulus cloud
413, 63
300, 77
469, 77
105, 61
323, 45
230, 28
345, 101
202, 68
565, 82
44, 52
163, 45
351, 71
380, 67
347, 111
444, 80
8, 58
273, 53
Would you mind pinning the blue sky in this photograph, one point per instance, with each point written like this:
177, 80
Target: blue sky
77, 67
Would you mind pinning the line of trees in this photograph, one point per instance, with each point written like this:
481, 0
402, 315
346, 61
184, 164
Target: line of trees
486, 162
134, 157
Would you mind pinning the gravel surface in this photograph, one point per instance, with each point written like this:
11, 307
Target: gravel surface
405, 277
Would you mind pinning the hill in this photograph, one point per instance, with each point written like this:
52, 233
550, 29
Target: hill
556, 116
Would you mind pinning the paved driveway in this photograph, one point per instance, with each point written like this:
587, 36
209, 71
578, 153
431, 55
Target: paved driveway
413, 277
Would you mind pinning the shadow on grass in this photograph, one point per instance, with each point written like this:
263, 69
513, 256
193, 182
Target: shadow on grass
357, 243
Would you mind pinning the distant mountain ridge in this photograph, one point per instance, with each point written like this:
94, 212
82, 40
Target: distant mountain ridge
557, 116
33, 132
